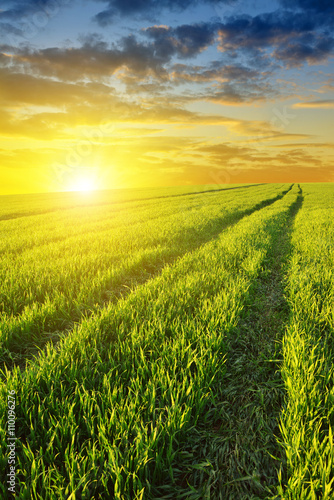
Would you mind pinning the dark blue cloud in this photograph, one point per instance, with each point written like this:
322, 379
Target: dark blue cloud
183, 41
147, 7
292, 37
321, 11
315, 6
311, 49
263, 30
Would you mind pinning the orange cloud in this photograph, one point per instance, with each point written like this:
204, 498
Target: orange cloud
324, 104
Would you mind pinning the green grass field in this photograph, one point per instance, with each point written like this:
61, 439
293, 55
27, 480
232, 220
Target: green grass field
169, 343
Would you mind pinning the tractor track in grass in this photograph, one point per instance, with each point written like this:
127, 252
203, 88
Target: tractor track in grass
23, 352
254, 388
242, 443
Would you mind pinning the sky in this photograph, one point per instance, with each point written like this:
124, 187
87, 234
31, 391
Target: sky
103, 94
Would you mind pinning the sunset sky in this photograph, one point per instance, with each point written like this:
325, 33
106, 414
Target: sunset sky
135, 93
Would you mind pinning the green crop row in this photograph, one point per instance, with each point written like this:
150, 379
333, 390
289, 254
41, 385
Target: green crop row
110, 412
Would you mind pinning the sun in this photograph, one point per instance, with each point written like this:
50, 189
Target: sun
83, 184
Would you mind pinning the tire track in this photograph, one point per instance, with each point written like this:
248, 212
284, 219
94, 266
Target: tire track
241, 444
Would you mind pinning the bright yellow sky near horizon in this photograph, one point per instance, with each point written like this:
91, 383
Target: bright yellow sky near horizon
188, 101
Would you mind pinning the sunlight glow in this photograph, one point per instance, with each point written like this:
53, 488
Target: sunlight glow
83, 184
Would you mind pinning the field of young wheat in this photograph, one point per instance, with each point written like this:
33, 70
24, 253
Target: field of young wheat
168, 344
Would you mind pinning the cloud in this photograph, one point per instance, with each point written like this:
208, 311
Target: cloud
45, 109
93, 59
241, 93
184, 40
92, 104
222, 153
262, 30
147, 67
41, 126
138, 131
328, 86
323, 9
324, 104
146, 8
215, 72
228, 84
292, 37
146, 64
309, 145
16, 9
173, 115
311, 48
21, 89
9, 29
272, 135
23, 19
22, 10
98, 59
